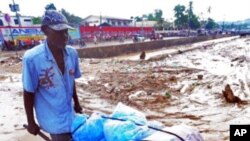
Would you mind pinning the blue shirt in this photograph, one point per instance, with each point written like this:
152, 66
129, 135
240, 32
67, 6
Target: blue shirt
53, 90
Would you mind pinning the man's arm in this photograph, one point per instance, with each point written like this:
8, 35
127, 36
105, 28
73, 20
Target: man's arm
28, 98
77, 107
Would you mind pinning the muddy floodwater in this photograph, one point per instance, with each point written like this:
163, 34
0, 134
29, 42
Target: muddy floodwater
180, 85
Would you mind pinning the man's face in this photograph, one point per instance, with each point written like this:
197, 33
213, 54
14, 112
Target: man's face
58, 39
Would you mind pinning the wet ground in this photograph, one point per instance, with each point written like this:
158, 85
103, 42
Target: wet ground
174, 86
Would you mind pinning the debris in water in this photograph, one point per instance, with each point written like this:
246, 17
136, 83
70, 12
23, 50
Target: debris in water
200, 77
180, 51
230, 97
167, 94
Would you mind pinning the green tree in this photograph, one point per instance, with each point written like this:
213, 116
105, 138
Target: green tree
36, 20
151, 17
181, 19
158, 14
193, 22
138, 19
232, 26
186, 18
72, 19
158, 18
211, 24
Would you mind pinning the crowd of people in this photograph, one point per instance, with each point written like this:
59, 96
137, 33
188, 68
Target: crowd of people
11, 45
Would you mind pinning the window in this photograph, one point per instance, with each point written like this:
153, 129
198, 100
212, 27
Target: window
27, 20
1, 22
16, 21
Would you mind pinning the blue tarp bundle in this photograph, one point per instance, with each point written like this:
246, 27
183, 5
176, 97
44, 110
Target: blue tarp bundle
86, 128
121, 125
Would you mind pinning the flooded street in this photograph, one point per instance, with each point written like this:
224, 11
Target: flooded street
179, 85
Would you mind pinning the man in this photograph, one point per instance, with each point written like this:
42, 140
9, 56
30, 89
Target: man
49, 70
95, 39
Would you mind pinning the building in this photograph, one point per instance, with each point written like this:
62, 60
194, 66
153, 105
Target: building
13, 30
145, 23
93, 20
25, 20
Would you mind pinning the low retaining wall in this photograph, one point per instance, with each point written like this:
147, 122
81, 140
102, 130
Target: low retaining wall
115, 50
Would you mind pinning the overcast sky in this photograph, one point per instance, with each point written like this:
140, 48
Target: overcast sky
229, 10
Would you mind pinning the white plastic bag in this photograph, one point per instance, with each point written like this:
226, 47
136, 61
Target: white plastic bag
185, 132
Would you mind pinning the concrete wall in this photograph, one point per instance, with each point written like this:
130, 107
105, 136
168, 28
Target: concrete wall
115, 50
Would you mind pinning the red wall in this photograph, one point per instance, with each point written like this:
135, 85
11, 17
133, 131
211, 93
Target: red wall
90, 31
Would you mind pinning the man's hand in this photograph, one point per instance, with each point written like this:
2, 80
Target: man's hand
78, 108
33, 129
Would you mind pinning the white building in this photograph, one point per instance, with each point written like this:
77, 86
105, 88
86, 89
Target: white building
25, 21
97, 20
145, 23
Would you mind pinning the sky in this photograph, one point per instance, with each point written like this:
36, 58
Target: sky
221, 10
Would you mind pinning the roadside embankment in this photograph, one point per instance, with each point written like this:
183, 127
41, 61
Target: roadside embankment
115, 50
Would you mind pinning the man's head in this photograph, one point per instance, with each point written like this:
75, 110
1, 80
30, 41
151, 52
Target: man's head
55, 27
55, 20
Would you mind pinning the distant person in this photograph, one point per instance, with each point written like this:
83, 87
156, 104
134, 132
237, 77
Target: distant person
95, 40
21, 44
160, 36
11, 45
82, 42
33, 42
6, 45
28, 43
48, 76
143, 55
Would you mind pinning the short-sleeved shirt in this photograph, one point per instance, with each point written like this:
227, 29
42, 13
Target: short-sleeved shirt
53, 90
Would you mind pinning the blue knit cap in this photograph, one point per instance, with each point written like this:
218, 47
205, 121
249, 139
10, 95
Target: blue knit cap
55, 20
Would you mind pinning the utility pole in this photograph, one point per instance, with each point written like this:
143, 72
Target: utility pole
142, 26
143, 19
188, 22
189, 16
223, 24
14, 8
100, 18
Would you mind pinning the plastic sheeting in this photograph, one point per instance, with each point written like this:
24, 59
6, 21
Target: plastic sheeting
126, 124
